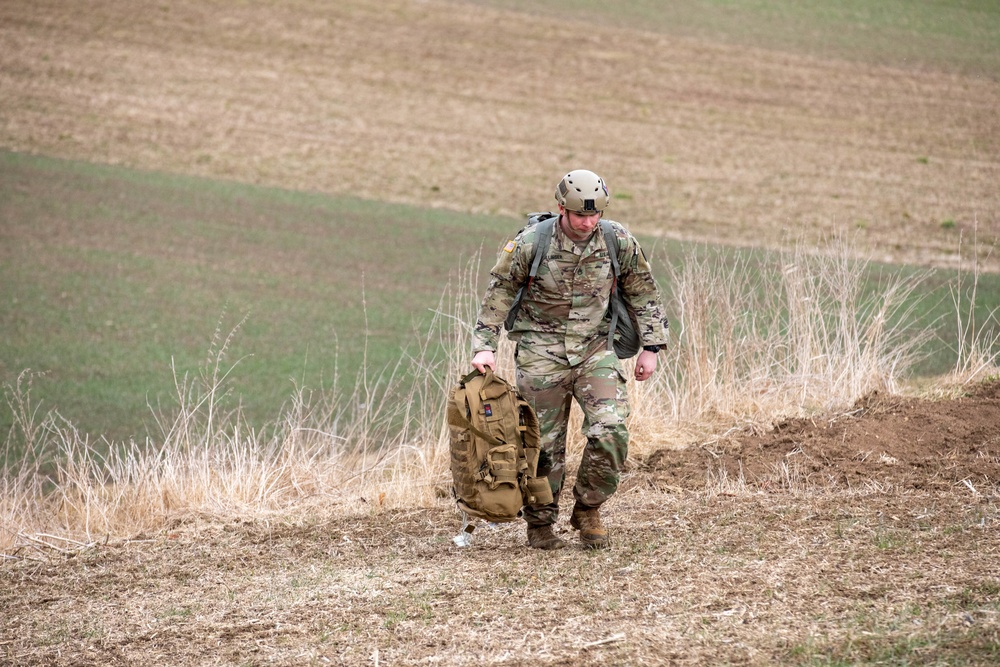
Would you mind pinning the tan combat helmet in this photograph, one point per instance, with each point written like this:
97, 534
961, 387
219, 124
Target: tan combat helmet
583, 191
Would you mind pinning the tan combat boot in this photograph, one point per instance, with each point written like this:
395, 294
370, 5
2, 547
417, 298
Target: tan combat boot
542, 537
588, 521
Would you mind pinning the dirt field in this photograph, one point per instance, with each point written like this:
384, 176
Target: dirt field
865, 538
447, 104
870, 538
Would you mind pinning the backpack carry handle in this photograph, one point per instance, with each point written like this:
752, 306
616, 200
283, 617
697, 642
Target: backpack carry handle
464, 381
475, 373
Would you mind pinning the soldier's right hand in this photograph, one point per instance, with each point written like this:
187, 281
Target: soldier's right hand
483, 359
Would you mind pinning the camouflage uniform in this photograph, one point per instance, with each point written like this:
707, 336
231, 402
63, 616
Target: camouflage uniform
561, 334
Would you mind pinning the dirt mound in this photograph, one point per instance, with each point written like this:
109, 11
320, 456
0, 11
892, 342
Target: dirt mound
887, 440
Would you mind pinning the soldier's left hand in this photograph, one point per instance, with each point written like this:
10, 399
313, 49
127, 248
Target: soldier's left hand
645, 365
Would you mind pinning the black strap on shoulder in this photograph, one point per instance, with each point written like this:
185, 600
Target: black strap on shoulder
543, 238
611, 240
629, 342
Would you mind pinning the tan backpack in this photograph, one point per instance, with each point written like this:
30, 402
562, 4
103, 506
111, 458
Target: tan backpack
494, 450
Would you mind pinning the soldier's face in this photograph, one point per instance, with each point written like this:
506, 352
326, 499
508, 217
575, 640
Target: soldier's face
578, 226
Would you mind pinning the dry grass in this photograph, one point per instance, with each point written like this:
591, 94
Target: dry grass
737, 361
787, 336
977, 342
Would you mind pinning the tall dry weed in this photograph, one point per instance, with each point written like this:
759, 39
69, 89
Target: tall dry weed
977, 348
765, 337
758, 337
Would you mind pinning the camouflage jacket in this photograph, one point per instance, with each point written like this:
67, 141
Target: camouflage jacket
565, 312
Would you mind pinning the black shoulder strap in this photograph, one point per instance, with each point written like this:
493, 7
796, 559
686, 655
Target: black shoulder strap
542, 242
611, 240
545, 226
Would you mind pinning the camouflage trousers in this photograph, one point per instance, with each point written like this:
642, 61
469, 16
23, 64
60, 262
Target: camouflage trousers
598, 385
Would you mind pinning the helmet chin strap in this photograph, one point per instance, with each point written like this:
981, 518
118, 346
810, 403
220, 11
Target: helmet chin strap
568, 230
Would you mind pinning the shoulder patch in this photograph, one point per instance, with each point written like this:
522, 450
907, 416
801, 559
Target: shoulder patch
510, 246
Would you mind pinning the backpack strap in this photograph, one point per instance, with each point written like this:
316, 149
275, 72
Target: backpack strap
542, 241
611, 240
464, 381
623, 325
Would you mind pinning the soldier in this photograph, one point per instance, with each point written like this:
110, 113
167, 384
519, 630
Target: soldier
562, 350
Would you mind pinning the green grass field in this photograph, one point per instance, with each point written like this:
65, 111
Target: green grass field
111, 276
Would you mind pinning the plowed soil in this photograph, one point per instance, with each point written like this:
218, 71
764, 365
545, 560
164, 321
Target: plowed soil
449, 104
